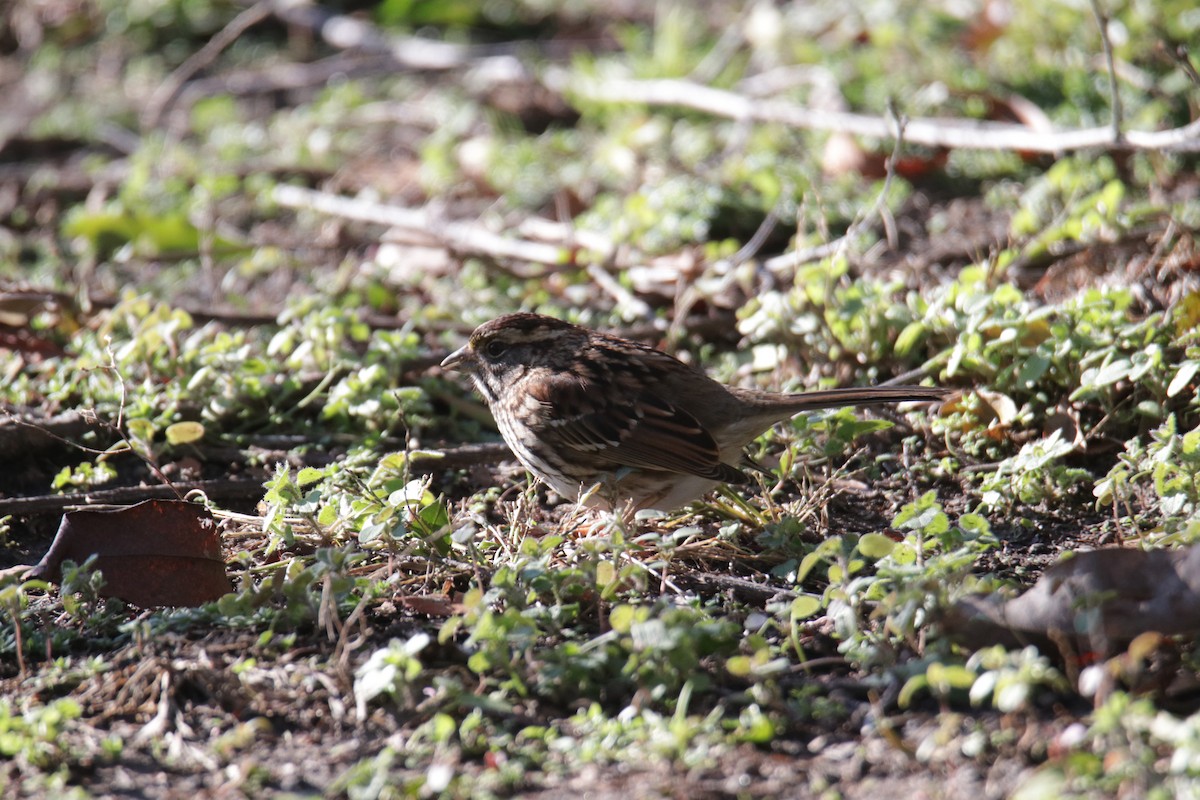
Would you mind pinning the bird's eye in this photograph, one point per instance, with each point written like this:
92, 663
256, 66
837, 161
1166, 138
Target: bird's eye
495, 348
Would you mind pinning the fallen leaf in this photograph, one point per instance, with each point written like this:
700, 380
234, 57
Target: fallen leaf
987, 25
431, 605
20, 340
155, 553
1099, 600
1003, 409
1065, 420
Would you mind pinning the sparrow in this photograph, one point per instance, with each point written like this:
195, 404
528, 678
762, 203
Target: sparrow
582, 409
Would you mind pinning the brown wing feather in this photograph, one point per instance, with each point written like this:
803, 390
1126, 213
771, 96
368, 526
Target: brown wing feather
643, 432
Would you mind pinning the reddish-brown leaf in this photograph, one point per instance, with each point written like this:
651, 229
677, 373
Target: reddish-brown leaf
155, 553
431, 605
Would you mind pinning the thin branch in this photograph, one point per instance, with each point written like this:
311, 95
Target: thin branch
750, 249
623, 296
20, 436
1180, 55
963, 134
460, 237
226, 488
423, 462
796, 258
166, 94
1114, 94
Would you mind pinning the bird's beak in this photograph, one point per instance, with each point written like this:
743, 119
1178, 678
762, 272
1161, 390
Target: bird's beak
455, 359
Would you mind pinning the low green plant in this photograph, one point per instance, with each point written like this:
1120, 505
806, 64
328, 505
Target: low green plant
1156, 484
1007, 680
391, 671
1036, 474
1129, 748
880, 592
32, 734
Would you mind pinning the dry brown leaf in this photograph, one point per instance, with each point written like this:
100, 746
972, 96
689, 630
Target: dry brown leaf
1065, 420
1099, 601
431, 605
155, 553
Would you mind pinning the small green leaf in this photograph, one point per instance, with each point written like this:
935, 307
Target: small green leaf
370, 533
141, 429
807, 564
479, 662
304, 477
738, 666
909, 338
1113, 371
1032, 370
875, 545
1187, 371
184, 433
944, 677
805, 606
605, 573
327, 515
621, 618
913, 685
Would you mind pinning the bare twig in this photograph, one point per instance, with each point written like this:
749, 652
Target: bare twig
623, 296
22, 435
1181, 57
423, 461
166, 94
1114, 94
271, 78
796, 258
227, 488
954, 133
750, 249
547, 230
707, 583
460, 237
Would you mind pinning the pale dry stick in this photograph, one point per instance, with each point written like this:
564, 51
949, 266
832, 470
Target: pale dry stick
962, 134
24, 435
880, 206
750, 249
1164, 245
726, 47
157, 726
461, 237
345, 645
623, 296
600, 276
565, 234
115, 428
273, 78
781, 79
327, 614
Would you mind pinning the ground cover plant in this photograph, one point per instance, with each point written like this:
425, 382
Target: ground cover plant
237, 240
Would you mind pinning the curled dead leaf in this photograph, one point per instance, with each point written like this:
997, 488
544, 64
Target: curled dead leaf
1099, 601
1065, 420
155, 553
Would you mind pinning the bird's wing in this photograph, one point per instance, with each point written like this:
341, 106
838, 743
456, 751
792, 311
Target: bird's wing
644, 431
